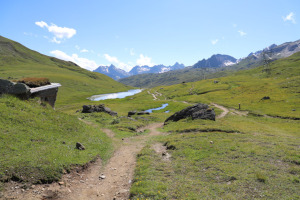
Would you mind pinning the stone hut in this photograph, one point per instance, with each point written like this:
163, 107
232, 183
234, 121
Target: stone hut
47, 93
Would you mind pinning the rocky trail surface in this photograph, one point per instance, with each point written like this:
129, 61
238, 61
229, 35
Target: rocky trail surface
97, 181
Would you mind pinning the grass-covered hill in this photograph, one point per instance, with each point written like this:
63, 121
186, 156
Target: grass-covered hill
240, 156
17, 61
251, 153
248, 87
37, 143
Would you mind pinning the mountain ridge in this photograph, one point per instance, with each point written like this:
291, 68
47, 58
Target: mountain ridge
117, 73
205, 69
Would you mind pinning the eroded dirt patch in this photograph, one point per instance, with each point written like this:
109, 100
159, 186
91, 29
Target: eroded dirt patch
161, 150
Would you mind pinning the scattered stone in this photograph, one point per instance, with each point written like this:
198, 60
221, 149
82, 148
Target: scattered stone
61, 183
143, 113
142, 118
33, 186
294, 110
197, 111
211, 142
265, 98
79, 146
216, 82
98, 108
49, 194
63, 142
23, 190
130, 113
102, 177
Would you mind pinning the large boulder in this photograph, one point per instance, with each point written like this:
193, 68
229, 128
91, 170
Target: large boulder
8, 87
197, 111
98, 108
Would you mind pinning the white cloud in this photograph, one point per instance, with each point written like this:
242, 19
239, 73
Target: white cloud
84, 51
41, 24
144, 60
242, 33
132, 52
111, 59
82, 62
290, 17
115, 61
214, 41
58, 32
55, 40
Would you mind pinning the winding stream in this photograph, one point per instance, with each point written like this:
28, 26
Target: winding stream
159, 108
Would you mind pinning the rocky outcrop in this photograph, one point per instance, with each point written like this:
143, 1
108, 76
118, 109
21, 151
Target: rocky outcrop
79, 146
8, 87
198, 111
130, 113
98, 108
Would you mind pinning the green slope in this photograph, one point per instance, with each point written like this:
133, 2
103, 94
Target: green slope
240, 156
17, 61
37, 143
247, 87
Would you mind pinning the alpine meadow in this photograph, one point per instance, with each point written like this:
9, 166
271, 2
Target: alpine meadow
220, 123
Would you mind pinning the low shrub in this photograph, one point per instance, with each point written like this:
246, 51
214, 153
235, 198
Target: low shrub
34, 81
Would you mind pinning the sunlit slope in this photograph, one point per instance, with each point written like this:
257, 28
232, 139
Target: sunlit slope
37, 143
17, 61
247, 88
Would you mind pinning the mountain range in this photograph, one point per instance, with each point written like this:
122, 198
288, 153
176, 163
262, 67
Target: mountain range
216, 66
116, 73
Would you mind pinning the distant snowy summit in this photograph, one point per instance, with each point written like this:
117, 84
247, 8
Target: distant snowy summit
117, 73
216, 61
278, 51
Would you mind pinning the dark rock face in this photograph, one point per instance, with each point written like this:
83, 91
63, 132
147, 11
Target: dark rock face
265, 98
8, 87
215, 61
198, 111
79, 146
143, 113
130, 113
97, 108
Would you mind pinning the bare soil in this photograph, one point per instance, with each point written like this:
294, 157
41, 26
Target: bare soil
96, 181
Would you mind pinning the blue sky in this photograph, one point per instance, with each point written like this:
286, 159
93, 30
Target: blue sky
148, 32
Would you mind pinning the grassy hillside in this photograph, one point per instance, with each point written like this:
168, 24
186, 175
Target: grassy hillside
38, 143
17, 61
248, 87
240, 156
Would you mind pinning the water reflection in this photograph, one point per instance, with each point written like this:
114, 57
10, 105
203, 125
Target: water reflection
118, 95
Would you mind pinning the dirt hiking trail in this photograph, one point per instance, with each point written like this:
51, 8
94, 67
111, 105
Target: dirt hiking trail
97, 181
